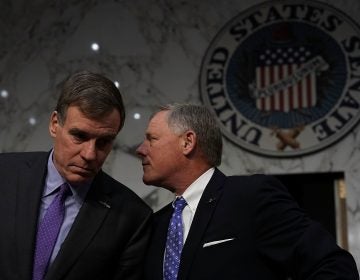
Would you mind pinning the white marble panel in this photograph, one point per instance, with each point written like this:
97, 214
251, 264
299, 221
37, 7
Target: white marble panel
154, 50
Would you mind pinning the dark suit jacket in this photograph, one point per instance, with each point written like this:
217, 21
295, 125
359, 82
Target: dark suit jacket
108, 237
270, 237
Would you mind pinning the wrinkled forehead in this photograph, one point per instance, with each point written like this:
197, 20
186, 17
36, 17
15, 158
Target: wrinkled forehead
158, 121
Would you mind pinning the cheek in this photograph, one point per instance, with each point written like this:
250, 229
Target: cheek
168, 159
66, 149
101, 157
63, 141
63, 156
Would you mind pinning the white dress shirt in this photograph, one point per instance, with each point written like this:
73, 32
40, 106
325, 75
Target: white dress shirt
192, 196
73, 202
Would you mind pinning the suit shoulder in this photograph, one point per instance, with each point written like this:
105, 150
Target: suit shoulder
164, 209
254, 182
262, 191
15, 158
119, 190
257, 186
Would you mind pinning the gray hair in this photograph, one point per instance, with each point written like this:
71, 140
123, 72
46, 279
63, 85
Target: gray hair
183, 117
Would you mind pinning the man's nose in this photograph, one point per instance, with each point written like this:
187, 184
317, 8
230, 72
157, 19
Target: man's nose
89, 150
140, 151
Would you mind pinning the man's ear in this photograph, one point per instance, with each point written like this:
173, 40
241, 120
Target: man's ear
188, 142
53, 124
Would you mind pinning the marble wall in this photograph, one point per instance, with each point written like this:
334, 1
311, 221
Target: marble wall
153, 49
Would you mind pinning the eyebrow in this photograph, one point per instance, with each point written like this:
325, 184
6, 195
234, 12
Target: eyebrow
75, 131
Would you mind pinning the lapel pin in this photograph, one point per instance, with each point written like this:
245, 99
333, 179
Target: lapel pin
211, 200
105, 204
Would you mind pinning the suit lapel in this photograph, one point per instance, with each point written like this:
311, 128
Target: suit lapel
156, 252
92, 213
204, 212
29, 190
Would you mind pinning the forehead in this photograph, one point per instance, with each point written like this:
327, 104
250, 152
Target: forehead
159, 120
76, 118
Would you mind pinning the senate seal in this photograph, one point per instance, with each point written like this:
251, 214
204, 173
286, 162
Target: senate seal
283, 77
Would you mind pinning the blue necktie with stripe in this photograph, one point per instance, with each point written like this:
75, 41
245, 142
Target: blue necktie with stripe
48, 232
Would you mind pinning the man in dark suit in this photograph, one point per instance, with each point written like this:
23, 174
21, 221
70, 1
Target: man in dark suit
238, 227
104, 227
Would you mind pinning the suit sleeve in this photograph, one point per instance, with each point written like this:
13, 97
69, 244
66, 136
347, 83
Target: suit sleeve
131, 263
291, 241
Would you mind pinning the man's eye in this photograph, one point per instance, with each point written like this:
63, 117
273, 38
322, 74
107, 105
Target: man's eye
79, 137
101, 143
150, 138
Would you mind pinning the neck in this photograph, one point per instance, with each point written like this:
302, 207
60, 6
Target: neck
187, 178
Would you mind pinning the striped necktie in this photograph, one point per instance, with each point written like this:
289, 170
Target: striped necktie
48, 232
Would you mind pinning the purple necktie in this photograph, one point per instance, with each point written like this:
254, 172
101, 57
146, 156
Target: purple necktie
174, 242
48, 231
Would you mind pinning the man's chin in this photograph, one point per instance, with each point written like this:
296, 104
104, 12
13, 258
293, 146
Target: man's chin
146, 182
78, 180
149, 181
155, 182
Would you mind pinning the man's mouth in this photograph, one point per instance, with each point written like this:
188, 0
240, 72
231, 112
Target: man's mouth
83, 169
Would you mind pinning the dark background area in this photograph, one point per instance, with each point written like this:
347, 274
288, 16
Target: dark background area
315, 193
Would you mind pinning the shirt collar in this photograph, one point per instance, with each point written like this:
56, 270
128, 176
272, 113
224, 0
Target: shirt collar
54, 180
194, 192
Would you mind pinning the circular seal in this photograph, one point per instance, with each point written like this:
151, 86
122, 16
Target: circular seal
283, 79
